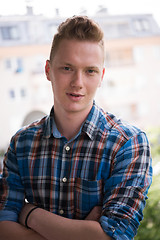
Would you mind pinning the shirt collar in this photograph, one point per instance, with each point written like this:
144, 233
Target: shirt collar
55, 131
90, 125
48, 125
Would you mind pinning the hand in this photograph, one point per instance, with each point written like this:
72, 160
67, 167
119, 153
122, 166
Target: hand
94, 214
25, 210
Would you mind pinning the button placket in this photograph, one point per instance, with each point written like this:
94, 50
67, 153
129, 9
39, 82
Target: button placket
67, 148
113, 229
64, 179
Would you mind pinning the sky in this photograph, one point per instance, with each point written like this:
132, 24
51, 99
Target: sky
69, 8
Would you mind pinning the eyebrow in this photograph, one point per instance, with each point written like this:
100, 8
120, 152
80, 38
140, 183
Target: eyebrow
87, 67
95, 67
69, 64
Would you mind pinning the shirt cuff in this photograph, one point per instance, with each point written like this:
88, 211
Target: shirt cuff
119, 230
6, 215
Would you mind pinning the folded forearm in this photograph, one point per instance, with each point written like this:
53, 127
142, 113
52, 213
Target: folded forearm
54, 227
14, 231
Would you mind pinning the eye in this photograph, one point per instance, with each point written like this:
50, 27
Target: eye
67, 68
92, 71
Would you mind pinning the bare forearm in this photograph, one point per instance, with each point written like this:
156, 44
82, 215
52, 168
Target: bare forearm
54, 227
14, 231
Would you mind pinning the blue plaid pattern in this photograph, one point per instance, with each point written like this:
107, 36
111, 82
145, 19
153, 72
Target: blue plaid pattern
108, 163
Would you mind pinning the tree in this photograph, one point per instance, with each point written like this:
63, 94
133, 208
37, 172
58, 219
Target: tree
150, 226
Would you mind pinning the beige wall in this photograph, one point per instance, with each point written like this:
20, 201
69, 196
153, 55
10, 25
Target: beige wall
38, 94
132, 85
130, 89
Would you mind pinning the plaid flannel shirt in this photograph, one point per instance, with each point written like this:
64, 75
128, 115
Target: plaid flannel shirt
108, 163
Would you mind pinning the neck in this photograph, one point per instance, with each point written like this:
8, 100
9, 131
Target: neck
70, 124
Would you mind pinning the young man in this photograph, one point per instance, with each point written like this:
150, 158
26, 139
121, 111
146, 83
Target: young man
84, 173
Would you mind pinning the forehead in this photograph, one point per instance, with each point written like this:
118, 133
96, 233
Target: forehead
79, 51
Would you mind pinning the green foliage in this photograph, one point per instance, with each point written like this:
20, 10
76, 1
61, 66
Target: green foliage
150, 226
154, 138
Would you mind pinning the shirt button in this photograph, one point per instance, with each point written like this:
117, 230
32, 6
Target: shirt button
113, 229
64, 179
61, 211
67, 148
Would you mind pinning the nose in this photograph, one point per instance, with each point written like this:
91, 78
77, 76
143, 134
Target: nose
77, 79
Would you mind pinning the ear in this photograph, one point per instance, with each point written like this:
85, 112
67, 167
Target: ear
102, 76
47, 69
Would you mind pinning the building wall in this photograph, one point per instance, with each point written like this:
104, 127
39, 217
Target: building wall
24, 87
132, 84
130, 88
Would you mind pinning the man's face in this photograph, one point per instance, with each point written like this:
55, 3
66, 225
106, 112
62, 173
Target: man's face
75, 72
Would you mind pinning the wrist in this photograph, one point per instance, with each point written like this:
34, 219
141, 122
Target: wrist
29, 215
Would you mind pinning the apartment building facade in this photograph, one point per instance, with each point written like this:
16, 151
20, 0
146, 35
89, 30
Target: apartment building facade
132, 80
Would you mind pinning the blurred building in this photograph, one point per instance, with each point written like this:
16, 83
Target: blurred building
132, 81
132, 85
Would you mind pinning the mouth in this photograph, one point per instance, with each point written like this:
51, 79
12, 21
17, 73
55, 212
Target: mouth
75, 96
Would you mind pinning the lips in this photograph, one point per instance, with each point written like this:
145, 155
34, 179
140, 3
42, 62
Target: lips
75, 96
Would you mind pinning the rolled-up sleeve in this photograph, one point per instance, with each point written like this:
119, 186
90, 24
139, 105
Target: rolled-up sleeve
125, 192
6, 215
11, 188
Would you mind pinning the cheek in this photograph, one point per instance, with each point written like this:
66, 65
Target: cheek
58, 88
93, 86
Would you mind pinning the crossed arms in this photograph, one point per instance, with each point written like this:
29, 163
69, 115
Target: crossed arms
45, 225
124, 197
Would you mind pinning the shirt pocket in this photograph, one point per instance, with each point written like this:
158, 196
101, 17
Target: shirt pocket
87, 194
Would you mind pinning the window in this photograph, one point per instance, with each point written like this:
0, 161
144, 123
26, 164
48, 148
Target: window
23, 92
12, 94
14, 64
8, 63
10, 33
141, 25
19, 65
